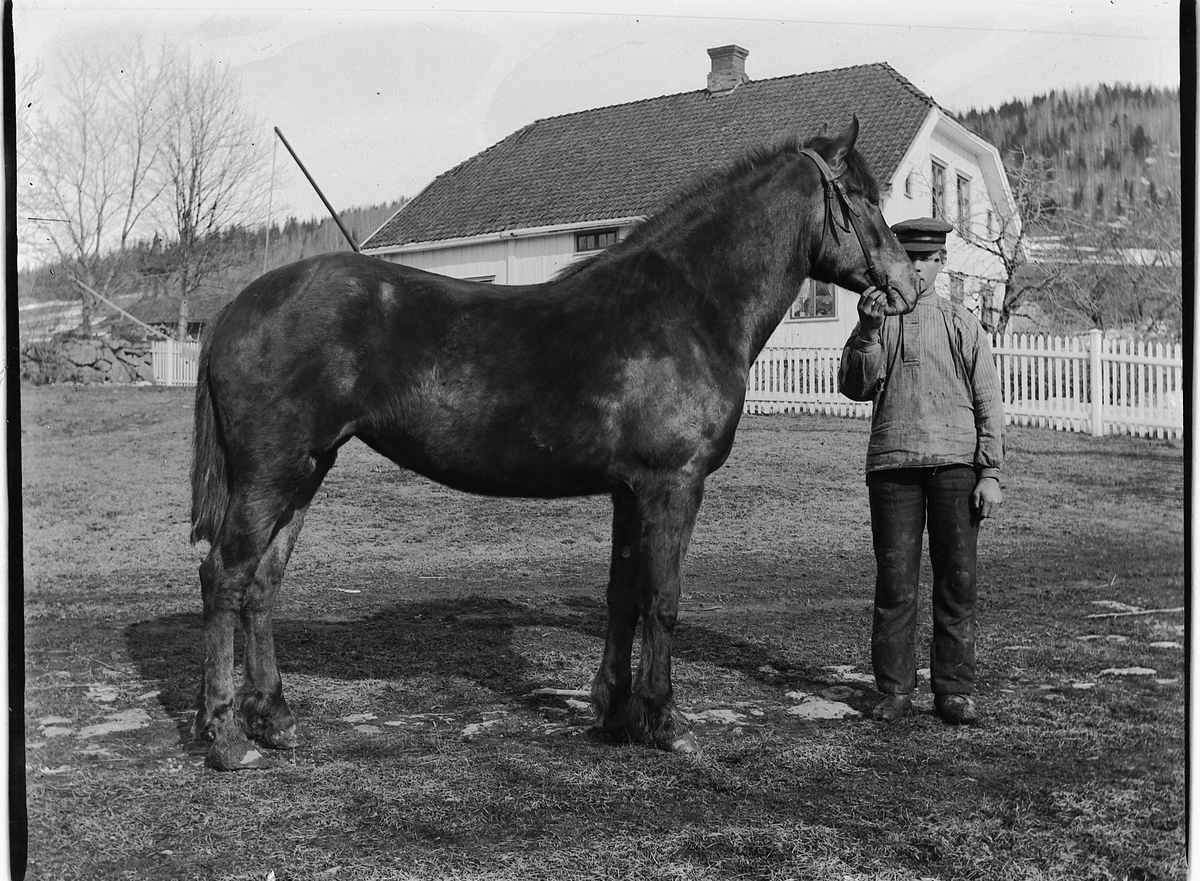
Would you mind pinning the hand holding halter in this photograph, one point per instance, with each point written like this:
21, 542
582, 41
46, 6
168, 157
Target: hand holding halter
871, 310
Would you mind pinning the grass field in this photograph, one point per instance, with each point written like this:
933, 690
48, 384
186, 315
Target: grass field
416, 625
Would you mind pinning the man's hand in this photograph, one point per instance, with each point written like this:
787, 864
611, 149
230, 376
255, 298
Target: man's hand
870, 312
986, 498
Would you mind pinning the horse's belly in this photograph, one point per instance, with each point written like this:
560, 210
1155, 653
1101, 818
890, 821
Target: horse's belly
507, 433
495, 462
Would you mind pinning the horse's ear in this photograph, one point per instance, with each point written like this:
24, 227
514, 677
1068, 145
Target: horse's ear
822, 130
842, 146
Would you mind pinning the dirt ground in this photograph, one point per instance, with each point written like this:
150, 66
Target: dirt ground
418, 629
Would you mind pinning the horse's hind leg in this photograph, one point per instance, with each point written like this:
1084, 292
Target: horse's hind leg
258, 504
225, 576
264, 713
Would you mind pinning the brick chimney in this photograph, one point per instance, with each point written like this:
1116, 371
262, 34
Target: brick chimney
728, 69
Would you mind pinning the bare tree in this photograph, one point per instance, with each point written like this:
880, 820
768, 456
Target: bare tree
86, 164
1072, 270
1006, 239
27, 82
1125, 273
215, 170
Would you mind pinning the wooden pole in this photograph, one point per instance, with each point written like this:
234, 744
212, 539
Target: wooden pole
113, 305
270, 207
336, 219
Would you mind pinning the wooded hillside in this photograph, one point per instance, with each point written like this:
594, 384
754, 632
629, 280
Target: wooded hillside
146, 265
303, 238
1111, 147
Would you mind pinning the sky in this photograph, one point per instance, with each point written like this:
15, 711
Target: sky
377, 99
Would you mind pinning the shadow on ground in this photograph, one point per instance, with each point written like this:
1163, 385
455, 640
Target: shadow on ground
436, 641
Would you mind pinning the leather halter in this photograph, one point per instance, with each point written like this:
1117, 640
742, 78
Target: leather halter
834, 188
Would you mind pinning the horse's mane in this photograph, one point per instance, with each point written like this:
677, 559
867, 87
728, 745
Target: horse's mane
698, 197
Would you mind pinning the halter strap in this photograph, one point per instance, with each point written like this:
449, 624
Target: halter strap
831, 185
826, 172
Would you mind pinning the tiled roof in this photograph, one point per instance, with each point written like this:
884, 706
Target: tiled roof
624, 160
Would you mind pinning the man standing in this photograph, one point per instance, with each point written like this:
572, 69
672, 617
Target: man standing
934, 457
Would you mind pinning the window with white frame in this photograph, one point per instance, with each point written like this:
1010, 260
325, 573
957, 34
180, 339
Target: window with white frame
595, 240
964, 202
937, 190
817, 299
908, 185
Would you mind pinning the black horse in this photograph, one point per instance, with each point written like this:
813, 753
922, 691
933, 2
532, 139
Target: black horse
624, 376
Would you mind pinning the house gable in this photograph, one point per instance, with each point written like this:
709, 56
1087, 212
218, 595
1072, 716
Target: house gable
985, 210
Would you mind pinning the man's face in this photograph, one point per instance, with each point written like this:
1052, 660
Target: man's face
928, 265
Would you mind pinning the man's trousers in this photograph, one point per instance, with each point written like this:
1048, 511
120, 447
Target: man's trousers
903, 502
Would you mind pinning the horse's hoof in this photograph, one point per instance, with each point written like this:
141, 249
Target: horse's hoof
685, 744
617, 725
612, 735
235, 757
276, 739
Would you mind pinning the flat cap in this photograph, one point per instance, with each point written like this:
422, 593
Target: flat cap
922, 234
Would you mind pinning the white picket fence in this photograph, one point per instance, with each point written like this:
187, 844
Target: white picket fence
174, 363
1092, 384
1086, 384
799, 380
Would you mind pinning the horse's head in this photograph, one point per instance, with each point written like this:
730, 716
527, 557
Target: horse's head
856, 248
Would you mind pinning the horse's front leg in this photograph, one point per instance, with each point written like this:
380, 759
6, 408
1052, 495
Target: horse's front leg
669, 515
612, 687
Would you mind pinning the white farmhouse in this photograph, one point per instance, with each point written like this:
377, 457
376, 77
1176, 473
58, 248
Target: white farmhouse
561, 188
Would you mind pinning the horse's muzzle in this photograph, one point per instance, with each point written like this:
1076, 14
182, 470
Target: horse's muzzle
898, 302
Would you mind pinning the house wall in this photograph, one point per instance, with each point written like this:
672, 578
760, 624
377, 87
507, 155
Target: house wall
514, 260
818, 332
470, 261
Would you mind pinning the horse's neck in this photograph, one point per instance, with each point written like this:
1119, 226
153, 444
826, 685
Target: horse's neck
759, 281
776, 302
742, 272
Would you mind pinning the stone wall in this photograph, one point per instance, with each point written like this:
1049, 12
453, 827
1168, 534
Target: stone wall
77, 359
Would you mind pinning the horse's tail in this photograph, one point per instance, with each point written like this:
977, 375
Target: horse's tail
210, 487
